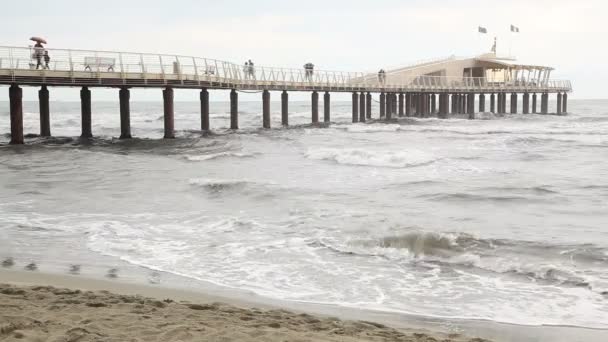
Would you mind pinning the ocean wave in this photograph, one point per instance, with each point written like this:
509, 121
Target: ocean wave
219, 185
557, 264
363, 157
219, 155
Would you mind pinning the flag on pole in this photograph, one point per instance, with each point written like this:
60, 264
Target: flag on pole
514, 29
483, 30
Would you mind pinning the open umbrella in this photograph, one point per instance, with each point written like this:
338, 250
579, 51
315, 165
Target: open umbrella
38, 40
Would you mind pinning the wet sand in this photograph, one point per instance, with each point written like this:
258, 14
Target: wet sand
98, 310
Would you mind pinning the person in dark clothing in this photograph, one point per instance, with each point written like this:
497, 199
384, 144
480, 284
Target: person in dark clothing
382, 76
47, 59
38, 52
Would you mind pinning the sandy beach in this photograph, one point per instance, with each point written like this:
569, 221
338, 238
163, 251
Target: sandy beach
38, 312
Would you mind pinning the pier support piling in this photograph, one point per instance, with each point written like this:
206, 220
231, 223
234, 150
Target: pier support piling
315, 107
526, 103
389, 106
326, 107
45, 122
401, 105
493, 103
544, 103
169, 113
433, 104
514, 103
482, 103
266, 109
534, 103
234, 109
368, 104
471, 105
362, 107
565, 103
85, 113
394, 105
285, 108
355, 117
16, 108
204, 97
124, 96
559, 104
408, 104
382, 104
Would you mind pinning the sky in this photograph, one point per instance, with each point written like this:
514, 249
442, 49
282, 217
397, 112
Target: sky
352, 35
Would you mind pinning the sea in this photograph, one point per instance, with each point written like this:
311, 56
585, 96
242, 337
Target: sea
503, 218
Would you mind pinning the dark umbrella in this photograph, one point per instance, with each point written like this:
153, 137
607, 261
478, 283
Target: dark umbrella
38, 40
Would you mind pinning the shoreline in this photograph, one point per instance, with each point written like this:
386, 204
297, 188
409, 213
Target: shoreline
441, 329
40, 305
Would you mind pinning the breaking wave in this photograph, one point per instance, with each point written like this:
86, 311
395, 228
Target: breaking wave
219, 155
355, 156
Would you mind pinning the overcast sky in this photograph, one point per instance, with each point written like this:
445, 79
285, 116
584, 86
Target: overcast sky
339, 35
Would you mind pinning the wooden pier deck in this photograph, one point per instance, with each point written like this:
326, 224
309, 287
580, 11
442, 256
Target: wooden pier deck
401, 94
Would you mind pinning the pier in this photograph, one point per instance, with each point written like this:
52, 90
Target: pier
432, 88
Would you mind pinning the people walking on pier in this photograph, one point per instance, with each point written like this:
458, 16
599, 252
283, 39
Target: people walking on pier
47, 59
251, 69
382, 76
308, 71
38, 53
246, 70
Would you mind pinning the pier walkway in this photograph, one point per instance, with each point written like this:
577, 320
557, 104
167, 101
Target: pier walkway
416, 90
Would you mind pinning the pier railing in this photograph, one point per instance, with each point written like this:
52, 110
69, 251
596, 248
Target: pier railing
82, 67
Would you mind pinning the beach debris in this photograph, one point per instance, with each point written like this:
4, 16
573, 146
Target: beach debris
8, 262
112, 273
31, 266
74, 269
96, 305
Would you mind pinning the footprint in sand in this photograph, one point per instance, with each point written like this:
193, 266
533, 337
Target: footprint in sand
31, 266
112, 273
8, 262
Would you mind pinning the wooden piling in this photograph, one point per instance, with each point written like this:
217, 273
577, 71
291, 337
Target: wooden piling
401, 105
16, 114
493, 103
266, 109
204, 97
45, 122
534, 103
389, 106
368, 104
544, 103
315, 107
382, 104
362, 107
526, 103
355, 107
85, 113
471, 106
124, 96
559, 103
565, 103
482, 103
326, 107
169, 114
408, 104
433, 104
234, 109
514, 103
285, 108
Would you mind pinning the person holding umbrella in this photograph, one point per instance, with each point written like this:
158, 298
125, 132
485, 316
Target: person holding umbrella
39, 51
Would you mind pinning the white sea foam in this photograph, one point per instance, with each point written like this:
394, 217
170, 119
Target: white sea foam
219, 155
364, 157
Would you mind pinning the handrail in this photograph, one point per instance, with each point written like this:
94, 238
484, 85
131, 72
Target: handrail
147, 67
